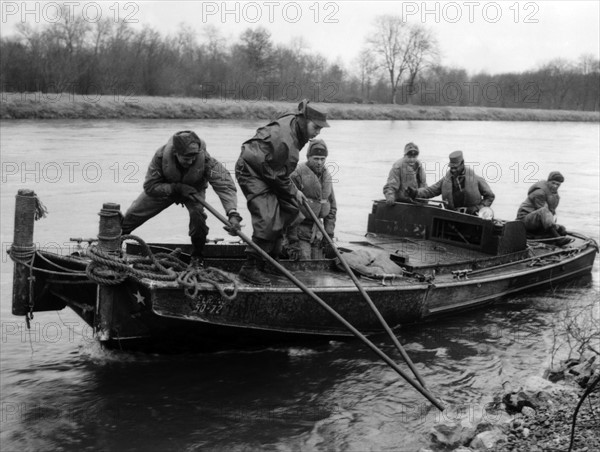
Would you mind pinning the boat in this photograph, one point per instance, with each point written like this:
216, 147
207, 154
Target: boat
417, 262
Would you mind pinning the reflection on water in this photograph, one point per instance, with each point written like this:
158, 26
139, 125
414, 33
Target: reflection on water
61, 391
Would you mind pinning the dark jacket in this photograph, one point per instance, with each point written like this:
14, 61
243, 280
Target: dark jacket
538, 196
474, 191
164, 171
273, 154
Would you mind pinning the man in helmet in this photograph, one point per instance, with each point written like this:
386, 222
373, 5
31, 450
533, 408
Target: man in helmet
180, 172
263, 172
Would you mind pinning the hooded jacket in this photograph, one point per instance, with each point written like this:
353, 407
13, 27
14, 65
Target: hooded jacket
273, 153
538, 196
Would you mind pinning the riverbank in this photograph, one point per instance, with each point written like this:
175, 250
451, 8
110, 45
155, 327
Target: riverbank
108, 106
549, 427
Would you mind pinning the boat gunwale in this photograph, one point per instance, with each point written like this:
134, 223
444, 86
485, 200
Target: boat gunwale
377, 286
371, 284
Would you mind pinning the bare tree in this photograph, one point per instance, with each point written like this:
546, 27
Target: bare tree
403, 49
588, 64
258, 50
422, 54
557, 80
367, 67
389, 43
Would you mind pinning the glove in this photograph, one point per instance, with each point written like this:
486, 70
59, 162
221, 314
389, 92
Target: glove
390, 200
328, 248
184, 191
235, 219
300, 197
293, 251
412, 192
561, 229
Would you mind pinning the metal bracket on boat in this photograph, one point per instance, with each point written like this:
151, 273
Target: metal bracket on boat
461, 274
542, 260
79, 240
423, 278
80, 250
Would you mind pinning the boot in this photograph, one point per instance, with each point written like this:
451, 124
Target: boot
251, 274
268, 268
196, 262
560, 240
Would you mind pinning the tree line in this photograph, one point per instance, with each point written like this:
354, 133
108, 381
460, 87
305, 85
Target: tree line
399, 63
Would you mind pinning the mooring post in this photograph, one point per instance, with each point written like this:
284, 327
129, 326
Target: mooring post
22, 250
109, 235
110, 228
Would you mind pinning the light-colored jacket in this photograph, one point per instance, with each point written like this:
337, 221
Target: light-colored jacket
403, 175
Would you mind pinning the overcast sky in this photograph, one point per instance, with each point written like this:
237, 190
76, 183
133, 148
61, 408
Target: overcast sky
474, 35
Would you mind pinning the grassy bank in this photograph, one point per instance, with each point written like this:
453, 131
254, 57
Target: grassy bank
69, 106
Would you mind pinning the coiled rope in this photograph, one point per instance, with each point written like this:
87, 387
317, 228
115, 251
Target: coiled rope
110, 269
193, 277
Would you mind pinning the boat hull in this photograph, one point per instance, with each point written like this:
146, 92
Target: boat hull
441, 263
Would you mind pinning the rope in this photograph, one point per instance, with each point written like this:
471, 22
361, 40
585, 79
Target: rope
40, 209
21, 254
541, 261
25, 255
193, 277
109, 269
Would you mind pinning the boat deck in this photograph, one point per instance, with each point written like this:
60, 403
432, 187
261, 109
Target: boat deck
392, 262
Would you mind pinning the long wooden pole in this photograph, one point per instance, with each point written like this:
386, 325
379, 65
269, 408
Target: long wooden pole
325, 306
365, 295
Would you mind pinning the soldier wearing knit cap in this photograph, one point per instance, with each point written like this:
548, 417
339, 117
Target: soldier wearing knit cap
406, 172
460, 188
180, 172
305, 240
538, 211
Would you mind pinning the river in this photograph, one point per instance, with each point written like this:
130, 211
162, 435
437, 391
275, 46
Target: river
61, 391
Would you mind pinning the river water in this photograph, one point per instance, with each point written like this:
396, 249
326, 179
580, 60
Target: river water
61, 391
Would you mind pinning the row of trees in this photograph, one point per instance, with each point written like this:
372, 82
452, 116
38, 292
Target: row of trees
399, 64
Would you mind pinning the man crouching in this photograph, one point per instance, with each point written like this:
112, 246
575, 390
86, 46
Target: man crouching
180, 172
539, 209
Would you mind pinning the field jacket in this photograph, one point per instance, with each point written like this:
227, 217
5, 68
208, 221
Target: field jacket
538, 196
319, 192
403, 175
164, 171
475, 191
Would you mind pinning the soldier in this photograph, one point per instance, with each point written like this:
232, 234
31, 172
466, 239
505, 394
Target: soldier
305, 240
406, 172
538, 211
263, 172
180, 172
460, 188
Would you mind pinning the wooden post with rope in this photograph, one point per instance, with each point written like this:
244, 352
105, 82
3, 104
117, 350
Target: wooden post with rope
109, 235
22, 251
325, 306
365, 294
